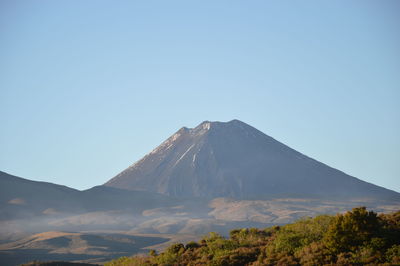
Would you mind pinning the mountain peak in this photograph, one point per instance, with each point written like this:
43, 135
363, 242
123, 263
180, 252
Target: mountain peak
231, 122
207, 125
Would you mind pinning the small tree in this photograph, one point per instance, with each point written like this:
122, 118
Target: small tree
351, 230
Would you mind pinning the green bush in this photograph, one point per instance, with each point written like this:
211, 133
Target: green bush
351, 230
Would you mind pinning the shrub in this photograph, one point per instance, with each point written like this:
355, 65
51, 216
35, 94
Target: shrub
351, 230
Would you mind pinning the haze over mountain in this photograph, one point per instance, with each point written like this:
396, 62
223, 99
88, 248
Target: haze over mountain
233, 159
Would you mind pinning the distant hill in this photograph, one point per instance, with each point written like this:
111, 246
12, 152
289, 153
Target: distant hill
22, 198
28, 207
233, 159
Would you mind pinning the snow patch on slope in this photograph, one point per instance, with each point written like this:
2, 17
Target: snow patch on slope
207, 126
183, 155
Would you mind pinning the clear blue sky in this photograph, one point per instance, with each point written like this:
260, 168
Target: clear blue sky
89, 87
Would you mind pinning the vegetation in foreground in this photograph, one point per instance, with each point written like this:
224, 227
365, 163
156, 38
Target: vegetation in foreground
358, 237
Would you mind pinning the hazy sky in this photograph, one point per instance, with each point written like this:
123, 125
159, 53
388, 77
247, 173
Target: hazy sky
89, 87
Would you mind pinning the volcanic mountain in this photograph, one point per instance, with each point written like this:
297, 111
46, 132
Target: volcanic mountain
233, 159
212, 178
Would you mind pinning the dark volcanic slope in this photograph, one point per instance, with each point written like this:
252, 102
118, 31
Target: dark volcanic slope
233, 159
22, 198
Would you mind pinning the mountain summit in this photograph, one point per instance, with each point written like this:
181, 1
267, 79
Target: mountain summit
233, 159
